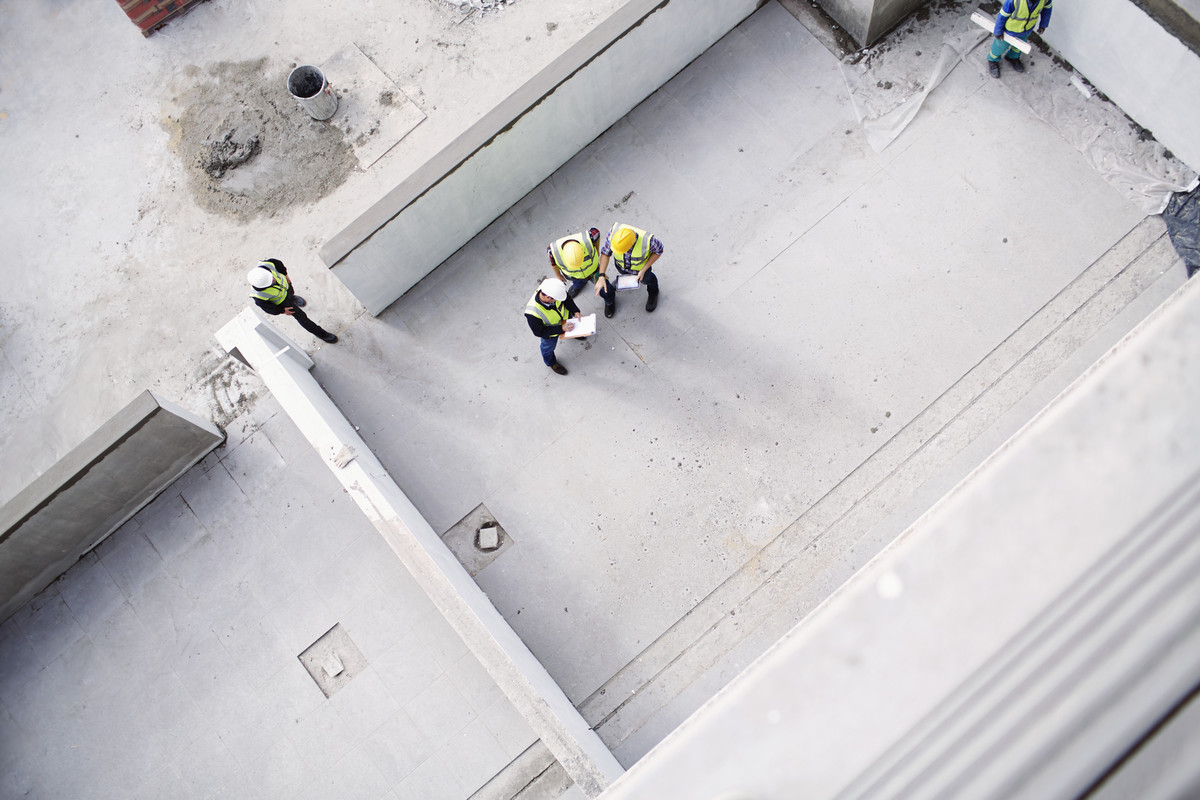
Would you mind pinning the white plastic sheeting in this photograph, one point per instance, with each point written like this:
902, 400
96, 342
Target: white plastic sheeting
889, 84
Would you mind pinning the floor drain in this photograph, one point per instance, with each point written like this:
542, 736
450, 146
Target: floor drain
477, 539
333, 660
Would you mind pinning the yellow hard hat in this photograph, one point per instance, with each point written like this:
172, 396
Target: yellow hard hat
573, 255
623, 240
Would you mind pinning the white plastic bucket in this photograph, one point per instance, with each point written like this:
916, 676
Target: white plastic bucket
308, 85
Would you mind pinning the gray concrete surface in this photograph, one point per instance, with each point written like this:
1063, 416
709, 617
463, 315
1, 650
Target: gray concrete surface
1017, 641
451, 589
124, 257
94, 490
165, 663
820, 303
863, 310
868, 20
525, 138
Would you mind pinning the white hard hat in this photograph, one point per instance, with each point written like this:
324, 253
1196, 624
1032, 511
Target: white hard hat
260, 277
554, 288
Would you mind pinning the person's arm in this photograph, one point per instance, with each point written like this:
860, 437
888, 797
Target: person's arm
602, 267
572, 308
554, 264
656, 250
1002, 18
1044, 22
541, 329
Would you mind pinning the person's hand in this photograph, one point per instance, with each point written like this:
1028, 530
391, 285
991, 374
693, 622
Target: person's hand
1041, 31
289, 310
599, 287
568, 326
1000, 35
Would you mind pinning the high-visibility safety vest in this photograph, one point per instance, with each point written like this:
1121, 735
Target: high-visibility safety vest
277, 291
555, 315
639, 253
1025, 16
591, 256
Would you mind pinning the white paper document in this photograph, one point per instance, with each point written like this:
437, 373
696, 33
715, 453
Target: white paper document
584, 326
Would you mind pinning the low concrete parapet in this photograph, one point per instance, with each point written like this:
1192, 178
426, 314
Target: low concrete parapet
284, 368
520, 142
93, 490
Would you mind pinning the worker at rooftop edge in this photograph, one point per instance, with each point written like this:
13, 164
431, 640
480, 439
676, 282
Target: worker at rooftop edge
574, 259
273, 293
1017, 18
633, 250
551, 313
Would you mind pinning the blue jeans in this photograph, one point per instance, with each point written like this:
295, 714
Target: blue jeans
548, 346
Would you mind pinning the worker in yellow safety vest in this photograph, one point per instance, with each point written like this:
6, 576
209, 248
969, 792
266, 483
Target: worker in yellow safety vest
1017, 18
575, 259
633, 250
273, 293
551, 313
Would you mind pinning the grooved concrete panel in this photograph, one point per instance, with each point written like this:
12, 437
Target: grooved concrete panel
523, 140
95, 488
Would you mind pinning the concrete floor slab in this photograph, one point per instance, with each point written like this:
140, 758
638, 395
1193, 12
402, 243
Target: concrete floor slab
829, 337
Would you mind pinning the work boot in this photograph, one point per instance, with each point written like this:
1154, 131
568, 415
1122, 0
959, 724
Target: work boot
1017, 65
330, 338
558, 368
994, 69
652, 302
298, 301
609, 310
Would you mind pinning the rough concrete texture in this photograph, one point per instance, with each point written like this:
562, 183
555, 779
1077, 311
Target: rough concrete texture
99, 485
124, 256
862, 309
836, 327
165, 663
1016, 640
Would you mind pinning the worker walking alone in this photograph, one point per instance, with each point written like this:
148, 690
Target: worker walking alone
273, 293
633, 250
575, 260
1017, 18
551, 313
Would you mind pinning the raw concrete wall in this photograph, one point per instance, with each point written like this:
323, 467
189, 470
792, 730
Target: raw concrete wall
93, 490
284, 368
867, 20
523, 140
1150, 74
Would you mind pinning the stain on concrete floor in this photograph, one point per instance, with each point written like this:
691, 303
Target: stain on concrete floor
247, 146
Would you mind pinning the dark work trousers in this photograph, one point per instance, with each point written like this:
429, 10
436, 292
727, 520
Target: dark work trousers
308, 325
608, 294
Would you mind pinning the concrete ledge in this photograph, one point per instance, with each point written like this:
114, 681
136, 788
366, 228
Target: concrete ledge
284, 368
1017, 640
514, 147
93, 490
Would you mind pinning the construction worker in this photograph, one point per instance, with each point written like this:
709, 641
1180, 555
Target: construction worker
1017, 18
551, 313
273, 293
633, 250
574, 259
